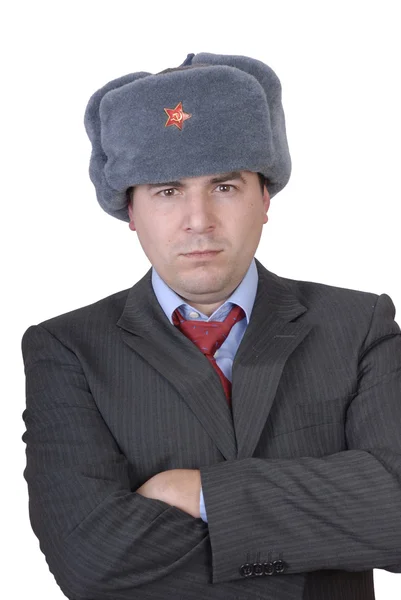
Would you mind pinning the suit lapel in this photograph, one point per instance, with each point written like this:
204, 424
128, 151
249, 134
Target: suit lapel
269, 340
147, 330
258, 364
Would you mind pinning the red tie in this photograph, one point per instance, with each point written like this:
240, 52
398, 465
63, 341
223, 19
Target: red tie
208, 336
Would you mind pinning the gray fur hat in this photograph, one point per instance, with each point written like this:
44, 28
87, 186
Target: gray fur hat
225, 115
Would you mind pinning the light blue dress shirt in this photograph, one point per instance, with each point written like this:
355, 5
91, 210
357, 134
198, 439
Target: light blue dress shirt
244, 296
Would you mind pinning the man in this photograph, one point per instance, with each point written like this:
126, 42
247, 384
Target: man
216, 431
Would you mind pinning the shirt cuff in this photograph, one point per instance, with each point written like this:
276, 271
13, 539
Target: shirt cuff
202, 507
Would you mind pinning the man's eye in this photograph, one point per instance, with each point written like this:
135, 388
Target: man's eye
168, 192
225, 187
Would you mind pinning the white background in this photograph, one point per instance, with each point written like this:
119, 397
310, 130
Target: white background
337, 221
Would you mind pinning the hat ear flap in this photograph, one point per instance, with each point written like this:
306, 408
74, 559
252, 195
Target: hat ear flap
92, 118
98, 158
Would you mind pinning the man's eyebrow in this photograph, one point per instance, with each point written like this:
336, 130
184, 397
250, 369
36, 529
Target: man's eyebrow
169, 184
228, 176
218, 179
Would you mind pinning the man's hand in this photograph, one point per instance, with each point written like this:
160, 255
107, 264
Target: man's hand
178, 487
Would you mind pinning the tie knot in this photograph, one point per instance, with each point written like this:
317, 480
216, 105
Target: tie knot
208, 336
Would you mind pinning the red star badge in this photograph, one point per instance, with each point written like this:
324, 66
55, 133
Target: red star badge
176, 116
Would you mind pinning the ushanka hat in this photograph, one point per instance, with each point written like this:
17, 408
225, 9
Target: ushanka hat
213, 114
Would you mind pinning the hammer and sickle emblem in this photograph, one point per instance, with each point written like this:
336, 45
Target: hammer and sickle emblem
176, 116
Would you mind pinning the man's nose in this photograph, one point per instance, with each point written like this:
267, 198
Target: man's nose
200, 211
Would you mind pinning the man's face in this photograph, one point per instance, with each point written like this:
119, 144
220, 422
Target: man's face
223, 213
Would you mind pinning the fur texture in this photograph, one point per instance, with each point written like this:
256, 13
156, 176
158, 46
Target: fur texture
236, 122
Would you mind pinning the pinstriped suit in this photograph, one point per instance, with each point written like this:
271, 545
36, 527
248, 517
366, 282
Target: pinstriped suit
306, 469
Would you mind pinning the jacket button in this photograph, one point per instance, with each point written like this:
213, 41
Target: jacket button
279, 566
257, 569
268, 568
246, 570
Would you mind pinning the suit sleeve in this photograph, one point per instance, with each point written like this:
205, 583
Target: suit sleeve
341, 511
100, 538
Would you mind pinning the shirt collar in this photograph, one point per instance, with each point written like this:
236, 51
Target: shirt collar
244, 296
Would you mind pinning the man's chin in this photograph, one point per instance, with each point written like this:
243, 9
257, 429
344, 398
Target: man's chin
199, 284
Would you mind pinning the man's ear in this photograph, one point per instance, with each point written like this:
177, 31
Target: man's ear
266, 202
131, 216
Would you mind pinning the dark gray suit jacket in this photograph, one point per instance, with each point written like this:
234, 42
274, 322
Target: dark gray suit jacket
302, 482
